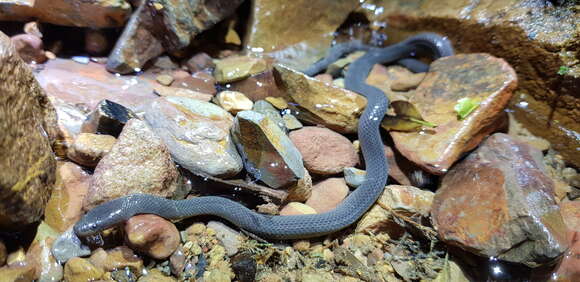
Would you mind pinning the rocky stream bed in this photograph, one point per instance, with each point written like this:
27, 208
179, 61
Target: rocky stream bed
186, 99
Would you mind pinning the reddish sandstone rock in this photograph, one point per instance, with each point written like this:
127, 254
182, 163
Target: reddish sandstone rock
569, 268
258, 86
152, 235
29, 47
327, 194
323, 150
500, 202
199, 62
199, 81
475, 76
139, 162
65, 205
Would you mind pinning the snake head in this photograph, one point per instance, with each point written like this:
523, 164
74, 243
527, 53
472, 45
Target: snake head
100, 218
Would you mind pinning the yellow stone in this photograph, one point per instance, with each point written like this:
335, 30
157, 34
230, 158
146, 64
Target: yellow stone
81, 270
234, 101
278, 102
237, 68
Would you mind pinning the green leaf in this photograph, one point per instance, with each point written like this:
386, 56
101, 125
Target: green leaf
563, 70
407, 118
465, 106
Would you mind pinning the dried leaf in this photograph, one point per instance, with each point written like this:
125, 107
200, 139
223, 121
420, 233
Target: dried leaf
407, 118
465, 106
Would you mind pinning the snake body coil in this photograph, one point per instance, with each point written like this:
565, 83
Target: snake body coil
303, 226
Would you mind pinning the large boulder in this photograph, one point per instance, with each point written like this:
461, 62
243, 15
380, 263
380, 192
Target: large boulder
28, 126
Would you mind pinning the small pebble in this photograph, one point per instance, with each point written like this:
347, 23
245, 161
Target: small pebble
278, 102
296, 208
234, 101
354, 177
407, 82
81, 270
152, 235
301, 245
230, 238
291, 122
244, 267
165, 79
328, 194
88, 148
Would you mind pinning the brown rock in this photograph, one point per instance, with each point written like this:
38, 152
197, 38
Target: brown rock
17, 257
236, 68
61, 12
536, 38
89, 84
233, 101
323, 150
404, 200
164, 79
479, 77
301, 190
29, 48
154, 29
155, 275
258, 86
117, 258
96, 42
199, 81
296, 208
70, 120
80, 269
65, 205
497, 198
89, 148
383, 76
407, 82
569, 267
138, 163
199, 62
17, 273
28, 126
165, 91
301, 45
3, 253
571, 215
327, 194
152, 235
39, 256
320, 103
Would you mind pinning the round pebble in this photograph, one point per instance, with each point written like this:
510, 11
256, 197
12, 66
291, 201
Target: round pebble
327, 194
153, 235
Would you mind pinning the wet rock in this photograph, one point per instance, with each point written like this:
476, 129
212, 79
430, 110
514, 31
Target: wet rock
144, 38
354, 177
301, 190
244, 267
230, 238
90, 83
29, 48
478, 77
199, 81
405, 200
155, 275
138, 163
96, 42
301, 45
296, 208
320, 103
236, 68
28, 125
17, 273
17, 257
165, 79
258, 86
107, 118
323, 150
117, 258
165, 91
197, 134
70, 119
408, 82
40, 257
536, 38
291, 122
199, 62
327, 194
233, 101
569, 268
268, 110
503, 180
278, 102
80, 269
335, 69
268, 153
152, 235
65, 205
517, 130
3, 253
177, 261
88, 149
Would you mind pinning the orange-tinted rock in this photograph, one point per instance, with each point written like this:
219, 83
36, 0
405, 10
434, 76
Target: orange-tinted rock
327, 194
571, 215
80, 269
497, 198
321, 103
235, 68
479, 77
152, 235
383, 78
117, 258
165, 91
199, 62
296, 208
3, 253
65, 205
88, 149
569, 268
139, 162
28, 129
89, 84
17, 273
62, 12
258, 86
323, 150
405, 200
39, 256
199, 81
30, 48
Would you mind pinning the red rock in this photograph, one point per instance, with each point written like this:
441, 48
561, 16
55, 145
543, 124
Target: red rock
569, 267
475, 76
497, 198
65, 205
30, 48
327, 194
199, 81
199, 62
258, 86
152, 235
323, 150
139, 162
88, 148
89, 84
